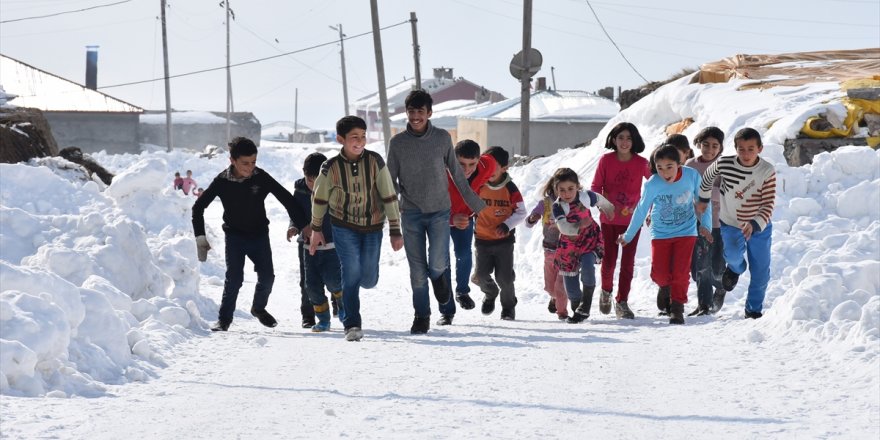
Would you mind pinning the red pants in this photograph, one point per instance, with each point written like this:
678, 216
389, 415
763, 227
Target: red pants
553, 284
671, 265
609, 260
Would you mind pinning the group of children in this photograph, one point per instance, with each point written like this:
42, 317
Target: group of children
186, 184
432, 193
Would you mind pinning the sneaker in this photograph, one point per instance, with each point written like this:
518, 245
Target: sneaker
220, 326
577, 318
551, 307
464, 300
488, 306
676, 313
663, 299
718, 300
308, 322
621, 309
729, 279
753, 315
508, 314
265, 317
445, 320
701, 310
354, 334
321, 327
420, 325
605, 302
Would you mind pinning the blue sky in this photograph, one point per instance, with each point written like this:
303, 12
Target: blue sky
477, 39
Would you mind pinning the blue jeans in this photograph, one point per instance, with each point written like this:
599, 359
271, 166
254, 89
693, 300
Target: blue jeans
707, 265
462, 242
429, 229
757, 251
322, 269
359, 262
588, 278
260, 253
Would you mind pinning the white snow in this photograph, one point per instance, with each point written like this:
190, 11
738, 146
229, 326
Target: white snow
103, 297
188, 117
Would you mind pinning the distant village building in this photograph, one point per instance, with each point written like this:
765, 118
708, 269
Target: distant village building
443, 87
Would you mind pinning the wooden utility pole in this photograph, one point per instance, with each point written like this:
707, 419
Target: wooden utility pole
380, 73
525, 93
228, 80
413, 21
169, 146
342, 56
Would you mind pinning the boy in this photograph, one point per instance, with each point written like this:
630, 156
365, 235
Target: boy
319, 270
242, 189
355, 187
418, 160
478, 170
748, 193
178, 181
495, 237
187, 183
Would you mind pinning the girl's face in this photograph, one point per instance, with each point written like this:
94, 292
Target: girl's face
623, 141
710, 148
567, 190
667, 169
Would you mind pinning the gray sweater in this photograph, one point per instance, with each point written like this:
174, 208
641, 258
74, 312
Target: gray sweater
418, 167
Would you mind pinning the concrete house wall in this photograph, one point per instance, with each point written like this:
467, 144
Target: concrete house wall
114, 132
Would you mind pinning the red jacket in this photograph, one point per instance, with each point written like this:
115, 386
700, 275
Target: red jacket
485, 168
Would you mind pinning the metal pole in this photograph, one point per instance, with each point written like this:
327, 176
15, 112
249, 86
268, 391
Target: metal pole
415, 37
525, 93
295, 110
228, 80
380, 73
553, 75
170, 146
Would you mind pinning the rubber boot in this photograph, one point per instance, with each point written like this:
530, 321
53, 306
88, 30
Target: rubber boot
582, 309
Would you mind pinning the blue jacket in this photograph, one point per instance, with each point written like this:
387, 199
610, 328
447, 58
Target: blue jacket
303, 197
673, 214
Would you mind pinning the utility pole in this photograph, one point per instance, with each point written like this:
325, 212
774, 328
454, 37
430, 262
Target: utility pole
413, 21
553, 75
342, 56
525, 93
380, 73
228, 80
167, 82
295, 110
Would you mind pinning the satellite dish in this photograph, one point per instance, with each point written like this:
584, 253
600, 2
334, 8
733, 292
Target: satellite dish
518, 66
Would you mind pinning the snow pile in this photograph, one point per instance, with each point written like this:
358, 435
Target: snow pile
95, 285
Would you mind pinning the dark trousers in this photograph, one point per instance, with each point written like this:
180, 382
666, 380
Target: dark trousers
497, 258
322, 270
707, 265
305, 306
260, 253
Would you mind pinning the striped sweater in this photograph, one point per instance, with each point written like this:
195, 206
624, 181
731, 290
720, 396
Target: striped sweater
748, 194
359, 194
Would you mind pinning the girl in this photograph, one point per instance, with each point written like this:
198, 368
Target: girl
580, 241
619, 178
672, 194
708, 258
552, 279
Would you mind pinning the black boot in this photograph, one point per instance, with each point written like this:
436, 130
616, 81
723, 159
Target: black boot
663, 300
582, 309
676, 313
420, 325
551, 307
441, 290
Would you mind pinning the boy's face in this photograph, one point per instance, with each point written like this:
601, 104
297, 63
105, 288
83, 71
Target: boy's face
418, 118
310, 182
747, 151
710, 148
667, 169
353, 143
189, 174
468, 165
243, 166
496, 175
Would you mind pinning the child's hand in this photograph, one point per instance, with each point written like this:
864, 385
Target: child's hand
700, 208
307, 233
460, 221
747, 230
502, 231
648, 220
317, 240
707, 234
620, 240
533, 219
291, 231
605, 207
396, 242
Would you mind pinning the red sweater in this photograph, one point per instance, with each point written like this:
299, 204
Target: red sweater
485, 168
620, 183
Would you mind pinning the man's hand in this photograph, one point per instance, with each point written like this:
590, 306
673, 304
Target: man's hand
700, 208
202, 247
291, 231
747, 230
396, 242
461, 221
707, 234
316, 240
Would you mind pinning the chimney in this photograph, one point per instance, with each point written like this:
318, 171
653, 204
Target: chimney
443, 73
542, 83
92, 67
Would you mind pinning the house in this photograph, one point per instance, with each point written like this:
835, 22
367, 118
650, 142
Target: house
443, 87
557, 119
444, 115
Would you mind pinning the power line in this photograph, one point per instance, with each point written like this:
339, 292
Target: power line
251, 61
65, 12
615, 44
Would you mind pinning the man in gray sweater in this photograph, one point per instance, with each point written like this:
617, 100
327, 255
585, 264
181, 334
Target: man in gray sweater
418, 160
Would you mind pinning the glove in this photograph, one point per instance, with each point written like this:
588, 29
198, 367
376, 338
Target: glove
202, 247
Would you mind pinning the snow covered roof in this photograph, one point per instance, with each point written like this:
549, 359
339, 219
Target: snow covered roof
397, 93
552, 105
42, 90
445, 114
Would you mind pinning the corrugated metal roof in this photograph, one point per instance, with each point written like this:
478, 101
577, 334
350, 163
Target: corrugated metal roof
552, 105
42, 90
